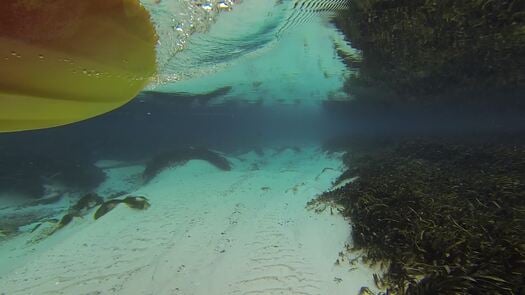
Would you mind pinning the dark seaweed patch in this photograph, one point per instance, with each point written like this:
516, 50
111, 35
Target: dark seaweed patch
448, 218
422, 47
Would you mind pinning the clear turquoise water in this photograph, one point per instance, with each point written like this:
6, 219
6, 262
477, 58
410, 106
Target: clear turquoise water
265, 50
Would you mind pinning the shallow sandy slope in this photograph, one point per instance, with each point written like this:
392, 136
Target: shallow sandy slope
207, 232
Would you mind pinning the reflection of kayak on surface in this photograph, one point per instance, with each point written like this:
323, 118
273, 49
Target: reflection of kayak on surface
63, 61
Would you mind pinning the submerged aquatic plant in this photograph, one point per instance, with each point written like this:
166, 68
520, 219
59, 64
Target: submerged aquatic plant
181, 156
424, 47
448, 218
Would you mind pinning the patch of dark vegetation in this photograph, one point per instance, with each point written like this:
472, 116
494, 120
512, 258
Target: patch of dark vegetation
446, 217
351, 60
360, 143
348, 174
420, 48
179, 157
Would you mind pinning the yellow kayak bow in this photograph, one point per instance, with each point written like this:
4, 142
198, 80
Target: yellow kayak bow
62, 61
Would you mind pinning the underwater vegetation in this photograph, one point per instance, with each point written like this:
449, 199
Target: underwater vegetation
180, 156
444, 217
425, 47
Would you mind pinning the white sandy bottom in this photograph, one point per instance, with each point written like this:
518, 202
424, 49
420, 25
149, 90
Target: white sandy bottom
240, 232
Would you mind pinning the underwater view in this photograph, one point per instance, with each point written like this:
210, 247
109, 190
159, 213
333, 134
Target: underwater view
244, 147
